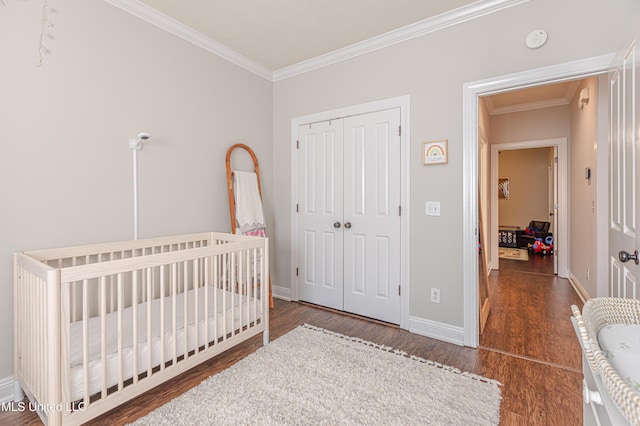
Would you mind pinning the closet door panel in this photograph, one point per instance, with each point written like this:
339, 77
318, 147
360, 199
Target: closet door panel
371, 207
320, 209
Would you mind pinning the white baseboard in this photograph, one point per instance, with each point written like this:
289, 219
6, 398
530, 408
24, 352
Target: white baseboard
7, 389
283, 293
577, 286
437, 330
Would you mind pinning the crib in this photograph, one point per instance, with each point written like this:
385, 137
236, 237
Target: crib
98, 325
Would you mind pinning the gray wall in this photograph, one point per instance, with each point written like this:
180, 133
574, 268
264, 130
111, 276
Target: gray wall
66, 168
432, 70
582, 195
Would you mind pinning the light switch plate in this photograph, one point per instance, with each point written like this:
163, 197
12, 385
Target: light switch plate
433, 208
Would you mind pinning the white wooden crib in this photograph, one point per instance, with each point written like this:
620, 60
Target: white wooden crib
97, 325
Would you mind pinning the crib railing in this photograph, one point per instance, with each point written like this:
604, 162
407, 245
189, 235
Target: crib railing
188, 298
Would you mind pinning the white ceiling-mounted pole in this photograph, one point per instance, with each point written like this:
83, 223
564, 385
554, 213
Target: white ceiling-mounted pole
136, 145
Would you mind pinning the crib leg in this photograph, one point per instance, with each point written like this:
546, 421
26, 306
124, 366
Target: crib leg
18, 393
265, 337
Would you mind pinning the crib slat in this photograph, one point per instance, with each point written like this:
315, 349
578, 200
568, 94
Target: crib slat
32, 357
134, 306
185, 320
149, 336
232, 291
120, 331
111, 289
264, 296
196, 299
51, 300
103, 334
240, 288
174, 314
246, 289
254, 291
162, 331
65, 339
85, 339
216, 283
31, 347
207, 282
74, 295
225, 284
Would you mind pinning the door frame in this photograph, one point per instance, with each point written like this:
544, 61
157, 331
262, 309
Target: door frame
403, 103
471, 92
561, 222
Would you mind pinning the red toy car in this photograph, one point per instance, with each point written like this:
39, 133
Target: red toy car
539, 247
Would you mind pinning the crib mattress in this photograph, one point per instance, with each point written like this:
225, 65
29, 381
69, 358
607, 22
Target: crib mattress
233, 311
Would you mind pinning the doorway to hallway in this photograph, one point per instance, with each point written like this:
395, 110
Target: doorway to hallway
529, 311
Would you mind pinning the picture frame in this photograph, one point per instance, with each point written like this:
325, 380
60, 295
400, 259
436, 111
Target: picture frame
435, 152
503, 188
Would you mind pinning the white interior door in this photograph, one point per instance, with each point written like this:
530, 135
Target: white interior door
623, 179
349, 214
320, 208
372, 215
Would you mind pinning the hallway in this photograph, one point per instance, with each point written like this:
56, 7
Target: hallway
530, 313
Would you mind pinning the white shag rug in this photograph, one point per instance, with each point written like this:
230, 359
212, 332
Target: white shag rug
315, 376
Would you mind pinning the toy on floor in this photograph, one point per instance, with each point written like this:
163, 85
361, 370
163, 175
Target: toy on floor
542, 247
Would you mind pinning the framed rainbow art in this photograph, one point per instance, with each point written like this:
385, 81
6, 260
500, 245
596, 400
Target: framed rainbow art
435, 152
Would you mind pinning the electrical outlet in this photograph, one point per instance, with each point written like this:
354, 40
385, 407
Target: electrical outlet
587, 274
435, 295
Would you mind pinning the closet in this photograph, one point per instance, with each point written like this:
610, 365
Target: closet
349, 214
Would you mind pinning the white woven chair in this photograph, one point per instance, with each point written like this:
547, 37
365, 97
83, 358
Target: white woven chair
596, 314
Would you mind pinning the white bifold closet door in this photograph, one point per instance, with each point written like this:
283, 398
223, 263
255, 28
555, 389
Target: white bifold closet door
349, 214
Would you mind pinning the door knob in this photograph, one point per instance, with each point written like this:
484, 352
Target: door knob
347, 225
336, 225
622, 255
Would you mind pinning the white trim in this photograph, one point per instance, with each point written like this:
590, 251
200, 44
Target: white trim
562, 224
281, 293
436, 330
160, 20
471, 91
602, 190
404, 103
444, 20
507, 109
418, 29
578, 287
528, 106
7, 389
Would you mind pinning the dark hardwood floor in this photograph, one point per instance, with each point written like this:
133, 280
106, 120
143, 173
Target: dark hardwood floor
530, 320
528, 345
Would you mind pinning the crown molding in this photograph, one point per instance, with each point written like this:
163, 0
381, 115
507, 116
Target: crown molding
444, 20
548, 103
447, 19
528, 106
177, 28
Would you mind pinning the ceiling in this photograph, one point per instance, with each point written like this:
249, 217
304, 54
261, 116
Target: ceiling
278, 38
280, 33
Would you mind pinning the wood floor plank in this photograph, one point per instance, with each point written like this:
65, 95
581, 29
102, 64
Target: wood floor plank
527, 346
